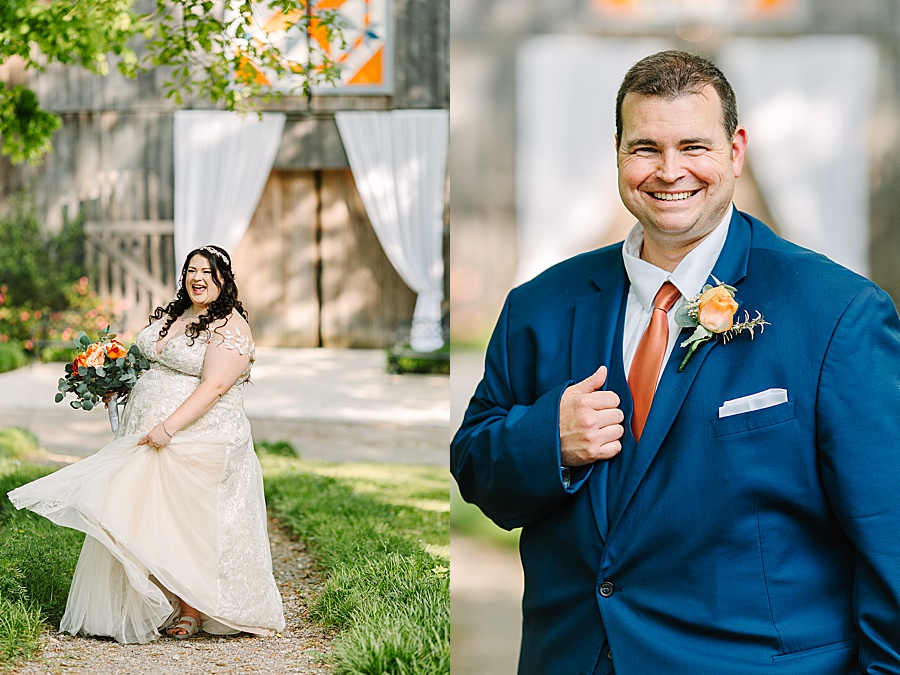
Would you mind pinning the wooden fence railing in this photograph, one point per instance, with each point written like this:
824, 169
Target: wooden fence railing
133, 261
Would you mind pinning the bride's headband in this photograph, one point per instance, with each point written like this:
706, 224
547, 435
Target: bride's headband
221, 255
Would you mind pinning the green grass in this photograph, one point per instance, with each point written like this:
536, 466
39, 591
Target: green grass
16, 443
20, 632
280, 448
37, 558
381, 536
37, 561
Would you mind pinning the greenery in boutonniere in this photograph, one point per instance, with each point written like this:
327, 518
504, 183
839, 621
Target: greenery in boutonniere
711, 313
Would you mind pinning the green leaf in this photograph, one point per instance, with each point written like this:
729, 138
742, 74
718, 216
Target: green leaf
75, 404
59, 397
683, 317
87, 405
84, 339
699, 335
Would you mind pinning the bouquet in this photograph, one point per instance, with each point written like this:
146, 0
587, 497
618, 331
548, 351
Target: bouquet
101, 369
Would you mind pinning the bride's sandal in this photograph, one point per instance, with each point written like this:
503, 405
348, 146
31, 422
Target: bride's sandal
188, 624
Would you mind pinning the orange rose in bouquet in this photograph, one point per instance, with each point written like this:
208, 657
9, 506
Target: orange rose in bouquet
79, 362
116, 349
95, 355
101, 369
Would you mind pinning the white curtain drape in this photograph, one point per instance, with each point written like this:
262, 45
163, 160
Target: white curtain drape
222, 163
806, 103
398, 160
566, 194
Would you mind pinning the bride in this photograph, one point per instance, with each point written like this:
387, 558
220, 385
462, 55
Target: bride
173, 509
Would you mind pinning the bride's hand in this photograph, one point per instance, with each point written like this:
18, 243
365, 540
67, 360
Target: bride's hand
156, 438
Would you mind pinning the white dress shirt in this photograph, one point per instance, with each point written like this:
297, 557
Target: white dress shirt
646, 279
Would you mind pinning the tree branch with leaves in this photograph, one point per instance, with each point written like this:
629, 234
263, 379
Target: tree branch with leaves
236, 53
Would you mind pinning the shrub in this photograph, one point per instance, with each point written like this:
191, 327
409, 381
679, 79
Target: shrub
12, 356
44, 297
403, 359
37, 267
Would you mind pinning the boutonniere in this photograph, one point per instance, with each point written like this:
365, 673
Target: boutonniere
711, 313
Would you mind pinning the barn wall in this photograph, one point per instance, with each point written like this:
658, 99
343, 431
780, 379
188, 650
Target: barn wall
310, 269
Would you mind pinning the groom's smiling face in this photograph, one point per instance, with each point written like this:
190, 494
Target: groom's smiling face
677, 167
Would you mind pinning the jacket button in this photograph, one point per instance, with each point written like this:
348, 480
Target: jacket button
607, 589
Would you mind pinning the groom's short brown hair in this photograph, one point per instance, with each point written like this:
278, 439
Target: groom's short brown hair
672, 74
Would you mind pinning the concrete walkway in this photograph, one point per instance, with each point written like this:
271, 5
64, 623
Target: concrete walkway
331, 404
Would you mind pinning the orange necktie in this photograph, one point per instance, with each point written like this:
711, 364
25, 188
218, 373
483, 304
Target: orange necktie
648, 357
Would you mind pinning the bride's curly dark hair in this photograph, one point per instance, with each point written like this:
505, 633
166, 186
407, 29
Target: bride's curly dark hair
221, 307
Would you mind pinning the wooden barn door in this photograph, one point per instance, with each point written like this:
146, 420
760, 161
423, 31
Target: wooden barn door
311, 271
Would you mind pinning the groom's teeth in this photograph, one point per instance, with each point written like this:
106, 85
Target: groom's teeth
672, 196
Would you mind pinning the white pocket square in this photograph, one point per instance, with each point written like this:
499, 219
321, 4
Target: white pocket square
758, 401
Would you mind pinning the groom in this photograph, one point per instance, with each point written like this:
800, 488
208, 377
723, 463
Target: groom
733, 512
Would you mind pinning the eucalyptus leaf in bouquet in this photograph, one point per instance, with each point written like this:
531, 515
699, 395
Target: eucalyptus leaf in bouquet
101, 369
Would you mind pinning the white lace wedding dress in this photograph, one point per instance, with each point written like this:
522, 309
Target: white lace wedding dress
186, 520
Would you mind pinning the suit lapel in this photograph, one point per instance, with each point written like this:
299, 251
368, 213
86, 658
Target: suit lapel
594, 330
595, 315
673, 388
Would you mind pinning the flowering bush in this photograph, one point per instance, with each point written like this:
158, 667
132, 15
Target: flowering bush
44, 289
100, 368
32, 327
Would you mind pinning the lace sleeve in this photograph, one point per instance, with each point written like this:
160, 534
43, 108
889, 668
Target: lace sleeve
230, 353
234, 338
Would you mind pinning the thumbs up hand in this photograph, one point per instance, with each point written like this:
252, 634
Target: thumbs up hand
590, 422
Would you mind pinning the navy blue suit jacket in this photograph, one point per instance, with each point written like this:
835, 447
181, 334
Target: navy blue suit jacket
765, 542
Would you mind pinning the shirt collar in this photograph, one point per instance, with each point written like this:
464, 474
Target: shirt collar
690, 275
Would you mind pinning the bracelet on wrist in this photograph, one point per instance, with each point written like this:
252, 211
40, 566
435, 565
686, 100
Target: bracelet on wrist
167, 431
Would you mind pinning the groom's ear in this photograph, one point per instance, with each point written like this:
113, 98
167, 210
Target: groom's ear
738, 148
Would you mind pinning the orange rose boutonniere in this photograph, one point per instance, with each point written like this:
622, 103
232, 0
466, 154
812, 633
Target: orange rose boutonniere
711, 313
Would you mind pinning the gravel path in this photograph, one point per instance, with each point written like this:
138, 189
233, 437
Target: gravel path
302, 648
